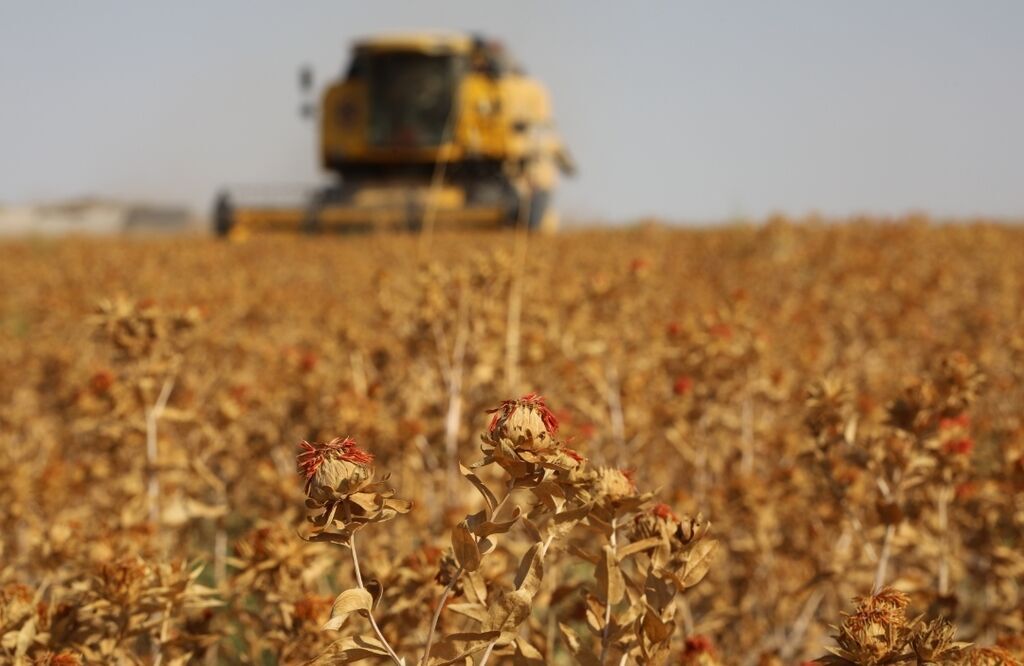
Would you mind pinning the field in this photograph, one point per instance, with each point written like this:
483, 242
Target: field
755, 445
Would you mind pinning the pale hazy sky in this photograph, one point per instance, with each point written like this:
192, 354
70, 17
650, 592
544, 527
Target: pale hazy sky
688, 111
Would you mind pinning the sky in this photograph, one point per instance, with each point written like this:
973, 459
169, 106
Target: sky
686, 111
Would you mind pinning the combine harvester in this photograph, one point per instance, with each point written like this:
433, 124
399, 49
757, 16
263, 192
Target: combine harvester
422, 133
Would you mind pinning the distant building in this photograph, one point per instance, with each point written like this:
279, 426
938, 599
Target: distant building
93, 216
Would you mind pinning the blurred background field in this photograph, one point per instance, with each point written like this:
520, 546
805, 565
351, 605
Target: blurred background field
684, 356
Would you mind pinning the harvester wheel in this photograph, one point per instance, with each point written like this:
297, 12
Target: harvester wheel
549, 223
540, 208
223, 215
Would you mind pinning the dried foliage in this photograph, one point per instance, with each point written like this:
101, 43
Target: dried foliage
294, 450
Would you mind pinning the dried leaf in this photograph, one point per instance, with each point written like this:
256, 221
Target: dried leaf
488, 496
25, 637
582, 554
464, 544
472, 611
610, 585
655, 629
456, 648
476, 587
582, 654
375, 588
698, 562
483, 528
531, 571
509, 611
638, 547
349, 601
526, 654
532, 531
471, 636
550, 495
352, 649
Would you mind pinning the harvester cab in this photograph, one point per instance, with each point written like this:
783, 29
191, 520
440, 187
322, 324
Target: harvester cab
421, 132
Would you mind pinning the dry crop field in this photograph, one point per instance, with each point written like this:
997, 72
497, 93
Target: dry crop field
762, 445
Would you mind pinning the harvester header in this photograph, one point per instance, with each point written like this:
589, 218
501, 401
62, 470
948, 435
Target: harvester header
423, 131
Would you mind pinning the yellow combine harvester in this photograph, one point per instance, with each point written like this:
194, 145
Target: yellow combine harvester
422, 132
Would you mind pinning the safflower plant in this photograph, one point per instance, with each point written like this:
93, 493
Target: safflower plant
647, 554
156, 434
342, 498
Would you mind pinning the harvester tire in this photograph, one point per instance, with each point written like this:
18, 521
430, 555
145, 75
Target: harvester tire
223, 215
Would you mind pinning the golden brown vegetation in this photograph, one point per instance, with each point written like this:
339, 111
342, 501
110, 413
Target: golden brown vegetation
828, 420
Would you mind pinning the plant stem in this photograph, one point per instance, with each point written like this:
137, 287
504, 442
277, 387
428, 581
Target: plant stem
883, 559
515, 309
613, 396
359, 382
494, 514
747, 433
943, 510
487, 652
687, 614
152, 452
220, 554
547, 544
437, 615
451, 584
373, 622
501, 504
165, 626
543, 551
701, 482
803, 621
453, 417
613, 540
436, 182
